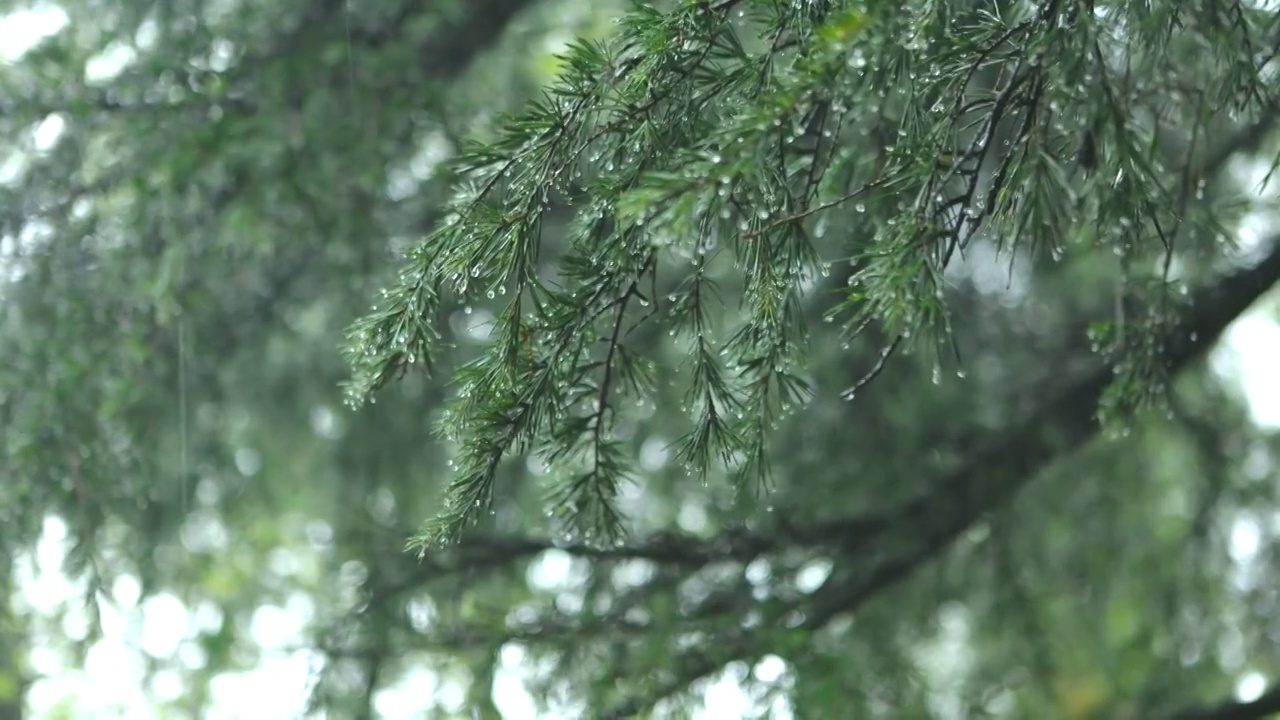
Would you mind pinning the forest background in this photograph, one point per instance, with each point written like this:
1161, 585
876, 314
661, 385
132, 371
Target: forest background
1055, 497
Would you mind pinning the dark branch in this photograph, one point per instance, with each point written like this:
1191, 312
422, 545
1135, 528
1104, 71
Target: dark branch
1005, 465
995, 473
1266, 706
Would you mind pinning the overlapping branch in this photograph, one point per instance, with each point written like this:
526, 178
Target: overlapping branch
996, 471
890, 544
885, 547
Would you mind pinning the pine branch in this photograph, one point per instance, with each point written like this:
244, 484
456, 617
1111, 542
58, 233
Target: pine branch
1000, 468
867, 535
997, 470
630, 136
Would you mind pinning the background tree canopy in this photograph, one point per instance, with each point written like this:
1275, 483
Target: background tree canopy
779, 358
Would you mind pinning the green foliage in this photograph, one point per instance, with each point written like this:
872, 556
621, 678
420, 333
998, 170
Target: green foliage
849, 356
716, 143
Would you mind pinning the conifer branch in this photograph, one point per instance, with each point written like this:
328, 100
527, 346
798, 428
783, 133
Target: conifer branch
995, 472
